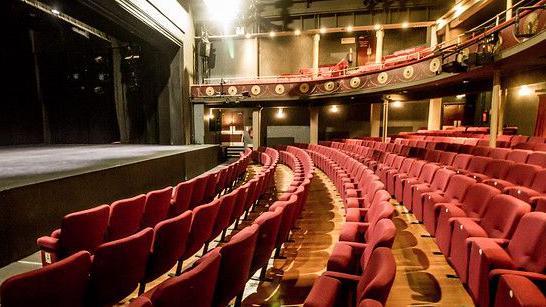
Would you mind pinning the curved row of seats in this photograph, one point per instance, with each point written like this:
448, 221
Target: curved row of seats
483, 233
119, 265
361, 268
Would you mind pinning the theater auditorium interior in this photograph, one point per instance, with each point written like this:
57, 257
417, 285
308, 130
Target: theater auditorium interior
165, 153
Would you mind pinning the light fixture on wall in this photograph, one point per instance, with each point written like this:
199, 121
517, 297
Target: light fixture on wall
405, 25
297, 32
322, 30
280, 113
524, 91
460, 96
334, 109
397, 104
349, 28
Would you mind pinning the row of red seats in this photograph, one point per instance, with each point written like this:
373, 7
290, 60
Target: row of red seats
119, 265
361, 267
218, 281
482, 232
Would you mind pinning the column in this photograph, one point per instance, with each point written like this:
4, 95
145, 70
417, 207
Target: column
495, 104
313, 125
316, 43
256, 128
199, 123
379, 34
502, 107
433, 36
508, 9
375, 119
435, 114
385, 118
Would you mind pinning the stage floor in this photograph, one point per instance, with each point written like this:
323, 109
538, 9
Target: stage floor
23, 165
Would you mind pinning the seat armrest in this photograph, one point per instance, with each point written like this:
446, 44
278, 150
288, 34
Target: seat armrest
48, 244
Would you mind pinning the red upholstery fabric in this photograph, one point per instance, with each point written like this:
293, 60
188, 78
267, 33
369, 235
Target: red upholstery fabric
169, 244
518, 291
223, 218
118, 267
157, 207
82, 230
270, 223
324, 293
181, 197
125, 217
234, 271
202, 223
198, 192
377, 279
61, 284
420, 191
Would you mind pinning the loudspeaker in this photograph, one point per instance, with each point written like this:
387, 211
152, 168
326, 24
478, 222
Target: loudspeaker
454, 67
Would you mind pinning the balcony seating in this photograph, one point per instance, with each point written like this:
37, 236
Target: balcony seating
61, 284
125, 217
82, 230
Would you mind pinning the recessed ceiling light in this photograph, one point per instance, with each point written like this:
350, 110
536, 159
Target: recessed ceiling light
272, 33
322, 30
297, 32
349, 28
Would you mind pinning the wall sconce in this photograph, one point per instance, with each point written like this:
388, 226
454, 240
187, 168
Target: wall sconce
280, 113
397, 104
334, 109
524, 91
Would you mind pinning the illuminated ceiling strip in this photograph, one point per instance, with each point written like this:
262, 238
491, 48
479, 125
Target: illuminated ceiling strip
85, 27
157, 22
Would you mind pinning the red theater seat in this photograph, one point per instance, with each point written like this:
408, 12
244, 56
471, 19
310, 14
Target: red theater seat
530, 193
82, 230
181, 198
420, 191
118, 267
517, 175
270, 223
499, 221
234, 271
518, 291
525, 251
125, 217
360, 232
424, 180
169, 244
61, 284
195, 287
352, 257
537, 158
198, 192
223, 218
157, 207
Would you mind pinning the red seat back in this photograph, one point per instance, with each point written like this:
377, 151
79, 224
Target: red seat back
198, 192
497, 168
181, 197
83, 230
157, 207
528, 247
537, 158
118, 267
202, 223
382, 236
478, 164
63, 283
376, 281
270, 223
477, 199
223, 218
125, 217
502, 215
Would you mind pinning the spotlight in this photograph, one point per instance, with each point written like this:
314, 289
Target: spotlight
280, 113
272, 33
397, 104
55, 11
524, 90
461, 96
322, 30
377, 27
334, 109
405, 25
297, 32
349, 28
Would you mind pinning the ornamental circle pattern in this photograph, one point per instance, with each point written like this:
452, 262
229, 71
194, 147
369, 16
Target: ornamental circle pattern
279, 89
232, 90
329, 86
408, 72
304, 88
435, 65
382, 78
255, 90
209, 91
355, 82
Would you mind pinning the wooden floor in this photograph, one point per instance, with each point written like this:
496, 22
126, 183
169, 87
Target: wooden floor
421, 277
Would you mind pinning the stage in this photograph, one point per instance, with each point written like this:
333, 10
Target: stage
40, 184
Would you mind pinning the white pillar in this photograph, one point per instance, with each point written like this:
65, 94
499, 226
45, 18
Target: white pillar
495, 104
375, 119
313, 125
199, 123
433, 36
508, 9
385, 118
256, 128
379, 34
316, 44
435, 114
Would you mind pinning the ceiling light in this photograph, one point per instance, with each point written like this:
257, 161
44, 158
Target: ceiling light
297, 32
461, 96
397, 104
524, 90
334, 109
377, 27
405, 25
55, 11
272, 33
322, 30
466, 81
349, 28
248, 35
223, 11
280, 113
